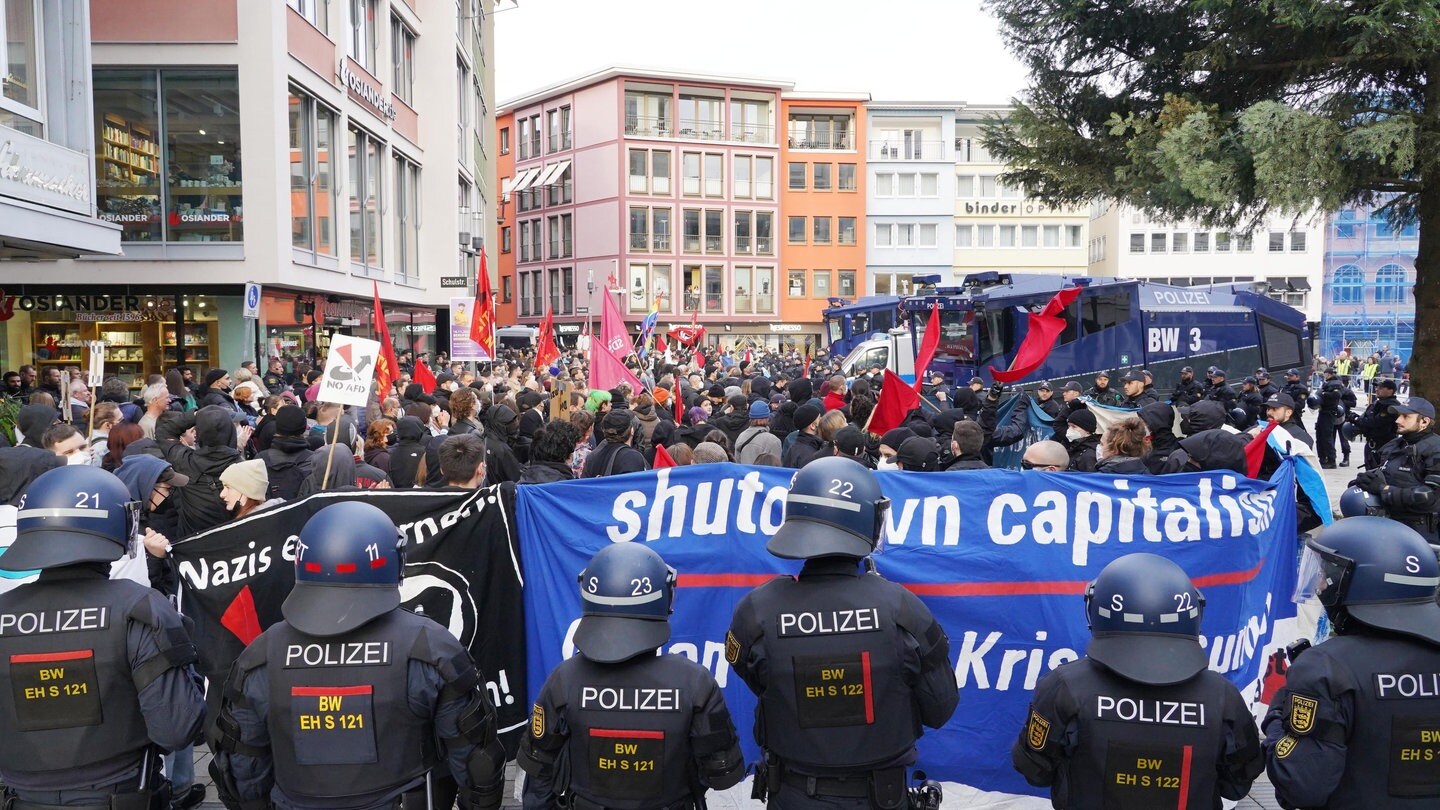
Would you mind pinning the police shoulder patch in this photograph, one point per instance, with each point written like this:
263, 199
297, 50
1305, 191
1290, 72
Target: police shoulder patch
732, 647
1285, 746
1302, 713
1037, 731
537, 720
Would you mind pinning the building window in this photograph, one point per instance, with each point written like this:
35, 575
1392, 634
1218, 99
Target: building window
714, 230
744, 231
562, 188
535, 135
407, 220
364, 39
1157, 243
765, 233
462, 108
847, 230
1222, 242
316, 11
1347, 286
690, 174
928, 235
561, 232
506, 237
797, 176
884, 235
186, 186
964, 234
507, 289
1390, 284
364, 183
1345, 224
847, 177
1029, 236
690, 225
905, 235
929, 185
822, 284
1007, 235
1202, 242
402, 52
639, 229
797, 231
312, 187
885, 185
822, 230
1137, 243
821, 176
21, 68
1050, 236
647, 114
985, 236
821, 131
764, 178
714, 175
1277, 241
846, 286
660, 228
552, 129
964, 186
704, 288
1297, 241
750, 121
650, 171
741, 174
504, 140
795, 286
701, 116
1073, 236
1244, 243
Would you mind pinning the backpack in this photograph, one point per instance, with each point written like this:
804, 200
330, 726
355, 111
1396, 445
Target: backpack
286, 473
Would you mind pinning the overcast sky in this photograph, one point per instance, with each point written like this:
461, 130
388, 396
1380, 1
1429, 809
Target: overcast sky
931, 50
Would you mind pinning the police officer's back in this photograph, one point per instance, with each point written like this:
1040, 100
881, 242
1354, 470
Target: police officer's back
1408, 482
99, 676
1140, 720
342, 704
847, 665
617, 726
1357, 723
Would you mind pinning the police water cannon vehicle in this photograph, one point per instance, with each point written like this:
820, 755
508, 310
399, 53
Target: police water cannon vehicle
1115, 325
850, 323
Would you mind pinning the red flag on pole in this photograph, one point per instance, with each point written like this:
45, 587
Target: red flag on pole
482, 320
663, 458
896, 400
679, 403
1255, 450
387, 368
1044, 329
424, 376
546, 352
806, 372
928, 344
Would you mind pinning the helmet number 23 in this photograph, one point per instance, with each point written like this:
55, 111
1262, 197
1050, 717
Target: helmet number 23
641, 586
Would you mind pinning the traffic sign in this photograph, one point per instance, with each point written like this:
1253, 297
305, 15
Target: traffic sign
452, 282
252, 300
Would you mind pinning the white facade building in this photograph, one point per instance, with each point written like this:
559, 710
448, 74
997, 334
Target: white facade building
1286, 252
910, 193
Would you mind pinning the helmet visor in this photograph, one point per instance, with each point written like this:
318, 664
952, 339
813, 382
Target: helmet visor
1323, 574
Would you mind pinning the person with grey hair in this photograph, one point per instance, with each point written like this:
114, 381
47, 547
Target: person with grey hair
1046, 456
79, 401
709, 453
157, 400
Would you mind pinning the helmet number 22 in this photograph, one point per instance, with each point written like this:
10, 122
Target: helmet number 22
1183, 602
841, 488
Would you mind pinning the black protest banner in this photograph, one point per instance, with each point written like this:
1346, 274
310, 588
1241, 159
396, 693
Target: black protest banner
461, 565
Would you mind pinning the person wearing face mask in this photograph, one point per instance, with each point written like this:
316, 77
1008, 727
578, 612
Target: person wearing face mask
1082, 441
889, 446
501, 464
67, 442
379, 438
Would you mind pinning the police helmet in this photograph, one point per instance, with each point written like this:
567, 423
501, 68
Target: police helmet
1240, 418
348, 568
629, 594
72, 515
1144, 616
1381, 572
1355, 502
834, 509
1349, 431
1313, 401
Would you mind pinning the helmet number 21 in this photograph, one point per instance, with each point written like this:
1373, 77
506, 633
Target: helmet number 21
87, 500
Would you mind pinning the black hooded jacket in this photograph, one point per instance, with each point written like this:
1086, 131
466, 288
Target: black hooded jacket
1213, 449
1159, 419
200, 504
407, 453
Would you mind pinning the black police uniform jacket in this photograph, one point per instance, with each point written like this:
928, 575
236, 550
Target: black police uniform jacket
1101, 741
1357, 725
96, 671
646, 733
1412, 472
1221, 393
350, 721
1299, 392
1377, 423
848, 666
1187, 393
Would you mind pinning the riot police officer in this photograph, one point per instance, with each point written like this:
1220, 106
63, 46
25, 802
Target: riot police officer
618, 726
1263, 382
1219, 390
1334, 395
1297, 391
1377, 423
1187, 392
1357, 723
1408, 482
1140, 718
100, 677
343, 703
845, 747
1252, 401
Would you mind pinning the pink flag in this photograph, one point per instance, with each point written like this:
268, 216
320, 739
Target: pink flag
607, 366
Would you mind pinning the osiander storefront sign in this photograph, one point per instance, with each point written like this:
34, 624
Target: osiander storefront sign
41, 172
366, 93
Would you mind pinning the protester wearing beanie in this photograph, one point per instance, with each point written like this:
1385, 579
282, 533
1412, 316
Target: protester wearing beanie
1082, 441
245, 487
216, 390
806, 446
757, 440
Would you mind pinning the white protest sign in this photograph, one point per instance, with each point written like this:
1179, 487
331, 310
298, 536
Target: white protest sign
96, 373
349, 370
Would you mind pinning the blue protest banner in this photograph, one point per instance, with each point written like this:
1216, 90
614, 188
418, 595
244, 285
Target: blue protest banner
1002, 559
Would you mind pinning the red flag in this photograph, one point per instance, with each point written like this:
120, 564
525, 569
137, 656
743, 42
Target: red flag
424, 376
679, 403
1044, 329
699, 357
806, 372
1255, 450
660, 347
663, 458
546, 352
928, 344
482, 320
387, 368
896, 400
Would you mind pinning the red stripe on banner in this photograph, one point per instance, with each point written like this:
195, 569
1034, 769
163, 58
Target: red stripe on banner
344, 568
46, 658
1039, 588
327, 691
869, 694
1185, 779
624, 734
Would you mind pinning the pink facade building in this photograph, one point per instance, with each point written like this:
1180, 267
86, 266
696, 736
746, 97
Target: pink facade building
661, 187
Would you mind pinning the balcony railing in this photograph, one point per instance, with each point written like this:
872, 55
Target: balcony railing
639, 241
902, 150
641, 126
834, 141
714, 244
692, 244
764, 245
742, 244
559, 141
752, 133
661, 241
655, 127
